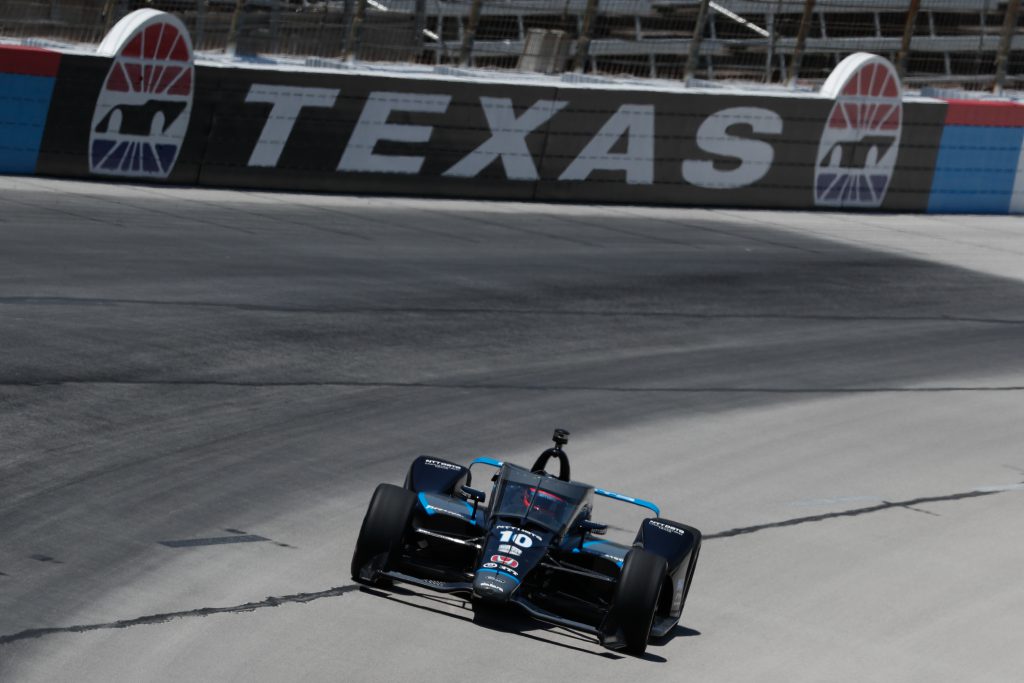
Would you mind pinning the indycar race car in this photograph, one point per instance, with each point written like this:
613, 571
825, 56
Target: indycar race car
534, 547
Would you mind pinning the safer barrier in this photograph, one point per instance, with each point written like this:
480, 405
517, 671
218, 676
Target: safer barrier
27, 76
980, 165
141, 109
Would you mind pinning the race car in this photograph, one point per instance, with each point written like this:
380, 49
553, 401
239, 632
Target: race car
535, 547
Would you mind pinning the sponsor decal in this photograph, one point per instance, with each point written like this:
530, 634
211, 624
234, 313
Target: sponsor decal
501, 559
858, 148
432, 509
442, 465
490, 565
517, 530
614, 558
507, 570
509, 549
595, 548
142, 111
445, 511
495, 586
667, 527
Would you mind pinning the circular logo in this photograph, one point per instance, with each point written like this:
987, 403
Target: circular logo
858, 148
142, 112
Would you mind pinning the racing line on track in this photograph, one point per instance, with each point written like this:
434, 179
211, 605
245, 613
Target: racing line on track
58, 382
525, 312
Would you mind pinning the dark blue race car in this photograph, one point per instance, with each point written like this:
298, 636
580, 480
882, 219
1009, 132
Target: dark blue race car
534, 547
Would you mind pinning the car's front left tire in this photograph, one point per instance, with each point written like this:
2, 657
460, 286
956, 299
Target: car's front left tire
384, 527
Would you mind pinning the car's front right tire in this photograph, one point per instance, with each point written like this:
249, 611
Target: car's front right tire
384, 527
636, 597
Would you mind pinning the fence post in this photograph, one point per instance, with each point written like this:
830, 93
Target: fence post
469, 35
275, 24
108, 16
200, 23
1003, 54
801, 41
232, 44
695, 40
908, 32
355, 31
583, 42
420, 25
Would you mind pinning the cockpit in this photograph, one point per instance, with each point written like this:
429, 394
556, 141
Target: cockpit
526, 497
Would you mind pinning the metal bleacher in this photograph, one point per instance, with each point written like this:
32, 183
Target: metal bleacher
952, 40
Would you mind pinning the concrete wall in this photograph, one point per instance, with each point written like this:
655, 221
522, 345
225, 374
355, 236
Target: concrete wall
140, 109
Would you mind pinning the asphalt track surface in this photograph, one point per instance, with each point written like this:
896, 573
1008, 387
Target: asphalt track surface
835, 400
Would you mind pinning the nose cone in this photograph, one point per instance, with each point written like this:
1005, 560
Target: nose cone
493, 586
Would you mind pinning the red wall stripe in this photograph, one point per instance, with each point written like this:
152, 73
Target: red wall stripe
981, 113
28, 61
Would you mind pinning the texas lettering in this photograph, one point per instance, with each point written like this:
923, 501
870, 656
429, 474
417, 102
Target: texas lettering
735, 143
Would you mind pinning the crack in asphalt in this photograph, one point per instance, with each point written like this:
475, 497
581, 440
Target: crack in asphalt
302, 598
58, 382
272, 601
856, 512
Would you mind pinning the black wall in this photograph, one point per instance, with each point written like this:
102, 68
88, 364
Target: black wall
224, 129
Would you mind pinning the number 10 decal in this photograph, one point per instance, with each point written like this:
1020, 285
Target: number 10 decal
521, 540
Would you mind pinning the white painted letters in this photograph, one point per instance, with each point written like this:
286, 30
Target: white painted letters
755, 156
287, 101
636, 120
373, 127
508, 139
732, 159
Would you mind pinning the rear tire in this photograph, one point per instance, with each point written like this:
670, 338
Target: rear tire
636, 597
383, 527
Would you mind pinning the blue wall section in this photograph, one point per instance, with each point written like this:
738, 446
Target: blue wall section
24, 103
975, 169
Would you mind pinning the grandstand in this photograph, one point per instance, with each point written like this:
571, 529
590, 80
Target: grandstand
936, 42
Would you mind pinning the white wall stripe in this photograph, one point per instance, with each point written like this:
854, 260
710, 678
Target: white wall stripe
1017, 198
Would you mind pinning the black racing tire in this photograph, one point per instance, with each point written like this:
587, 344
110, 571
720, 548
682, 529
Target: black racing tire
636, 597
384, 526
